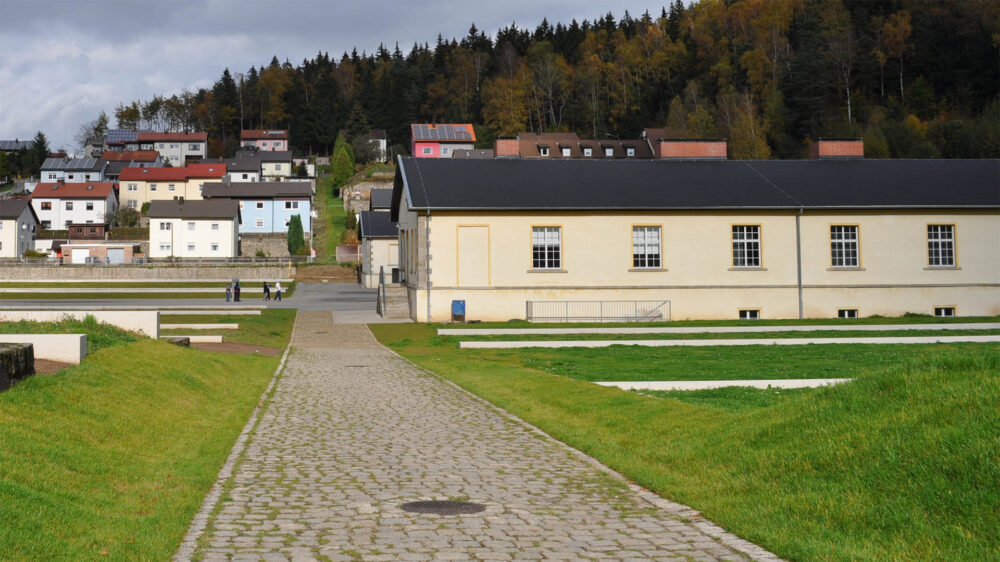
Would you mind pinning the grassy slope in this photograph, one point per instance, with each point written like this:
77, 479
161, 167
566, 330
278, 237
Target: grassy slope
901, 464
272, 328
99, 335
113, 457
330, 225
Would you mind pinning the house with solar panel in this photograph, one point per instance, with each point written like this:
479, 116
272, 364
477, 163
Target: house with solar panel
438, 140
73, 170
60, 204
698, 237
15, 145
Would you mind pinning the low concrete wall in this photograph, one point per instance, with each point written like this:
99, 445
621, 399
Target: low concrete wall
130, 273
146, 322
65, 348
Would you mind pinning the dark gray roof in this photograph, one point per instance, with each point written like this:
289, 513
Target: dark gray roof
245, 163
12, 208
472, 153
12, 145
259, 190
376, 224
207, 209
74, 164
684, 184
275, 155
381, 199
442, 132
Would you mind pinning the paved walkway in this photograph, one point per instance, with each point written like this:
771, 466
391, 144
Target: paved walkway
352, 432
726, 342
715, 329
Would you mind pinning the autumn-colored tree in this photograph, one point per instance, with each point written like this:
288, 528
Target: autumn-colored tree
896, 41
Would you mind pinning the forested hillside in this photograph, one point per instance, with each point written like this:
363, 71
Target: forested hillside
916, 78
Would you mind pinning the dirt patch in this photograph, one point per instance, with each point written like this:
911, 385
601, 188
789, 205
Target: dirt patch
318, 273
228, 347
46, 367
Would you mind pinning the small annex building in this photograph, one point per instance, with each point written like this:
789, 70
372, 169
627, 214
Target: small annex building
18, 224
379, 243
712, 239
194, 229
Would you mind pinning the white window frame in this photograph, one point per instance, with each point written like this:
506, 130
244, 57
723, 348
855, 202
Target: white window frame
746, 246
69, 205
944, 311
164, 247
749, 314
133, 187
215, 226
258, 223
845, 249
543, 151
215, 246
609, 152
565, 152
445, 150
630, 152
546, 247
152, 187
164, 225
847, 313
427, 150
647, 247
190, 246
588, 151
171, 187
132, 203
260, 204
190, 225
941, 245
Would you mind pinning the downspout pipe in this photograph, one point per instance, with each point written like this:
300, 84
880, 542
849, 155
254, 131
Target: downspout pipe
427, 260
798, 256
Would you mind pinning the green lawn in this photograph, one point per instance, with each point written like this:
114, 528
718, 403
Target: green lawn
99, 336
289, 290
110, 460
273, 328
728, 335
329, 227
903, 463
909, 318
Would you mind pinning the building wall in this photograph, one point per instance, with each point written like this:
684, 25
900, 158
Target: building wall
272, 215
235, 177
72, 176
493, 271
378, 253
178, 152
15, 240
59, 216
197, 232
275, 171
144, 191
439, 149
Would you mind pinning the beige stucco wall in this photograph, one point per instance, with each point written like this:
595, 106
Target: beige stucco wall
378, 253
189, 190
14, 240
202, 236
697, 274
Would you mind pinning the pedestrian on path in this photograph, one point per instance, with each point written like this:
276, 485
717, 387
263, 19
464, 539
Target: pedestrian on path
277, 291
267, 291
229, 291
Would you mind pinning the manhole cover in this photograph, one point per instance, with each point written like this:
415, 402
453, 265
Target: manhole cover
443, 507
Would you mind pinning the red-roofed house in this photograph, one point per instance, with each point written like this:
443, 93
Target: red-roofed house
438, 140
59, 204
264, 140
130, 156
141, 185
177, 148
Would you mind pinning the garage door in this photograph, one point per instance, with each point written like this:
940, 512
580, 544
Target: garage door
116, 256
80, 256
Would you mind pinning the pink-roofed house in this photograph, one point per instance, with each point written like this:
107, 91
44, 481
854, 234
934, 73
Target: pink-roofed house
264, 140
441, 139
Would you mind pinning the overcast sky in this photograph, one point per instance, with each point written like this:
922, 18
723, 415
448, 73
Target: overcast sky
63, 62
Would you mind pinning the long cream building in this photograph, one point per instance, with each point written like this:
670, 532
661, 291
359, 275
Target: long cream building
699, 239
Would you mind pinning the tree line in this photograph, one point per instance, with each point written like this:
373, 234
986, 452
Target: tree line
916, 79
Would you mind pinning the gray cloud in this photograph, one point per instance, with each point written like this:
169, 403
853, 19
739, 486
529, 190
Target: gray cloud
65, 61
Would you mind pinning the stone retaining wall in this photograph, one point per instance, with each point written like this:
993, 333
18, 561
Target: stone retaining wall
153, 273
17, 362
274, 245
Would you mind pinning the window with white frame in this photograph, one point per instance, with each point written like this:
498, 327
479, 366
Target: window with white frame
160, 145
90, 206
215, 246
847, 313
260, 204
191, 246
215, 226
941, 245
174, 146
427, 150
646, 247
164, 247
152, 187
132, 203
190, 226
69, 205
546, 247
194, 147
277, 167
52, 176
750, 314
291, 204
259, 223
133, 187
565, 152
544, 151
170, 187
944, 311
609, 152
445, 150
844, 246
588, 151
746, 246
164, 225
630, 151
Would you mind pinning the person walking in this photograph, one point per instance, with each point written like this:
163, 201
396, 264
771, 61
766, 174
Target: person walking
267, 291
277, 291
229, 292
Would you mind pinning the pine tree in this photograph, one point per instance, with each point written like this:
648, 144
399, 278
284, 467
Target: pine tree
296, 239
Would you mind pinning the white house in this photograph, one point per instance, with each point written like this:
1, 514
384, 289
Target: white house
58, 204
379, 246
17, 227
194, 229
180, 149
73, 170
275, 165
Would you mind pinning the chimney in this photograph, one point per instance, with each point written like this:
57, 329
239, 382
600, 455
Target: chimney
506, 148
691, 149
833, 148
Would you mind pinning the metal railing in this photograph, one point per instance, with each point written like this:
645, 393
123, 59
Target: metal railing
155, 262
597, 311
380, 301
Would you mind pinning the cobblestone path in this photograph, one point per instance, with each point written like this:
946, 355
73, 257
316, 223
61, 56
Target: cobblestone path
352, 432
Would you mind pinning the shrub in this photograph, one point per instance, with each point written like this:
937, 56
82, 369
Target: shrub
296, 239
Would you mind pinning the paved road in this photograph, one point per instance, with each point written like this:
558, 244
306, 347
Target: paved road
353, 431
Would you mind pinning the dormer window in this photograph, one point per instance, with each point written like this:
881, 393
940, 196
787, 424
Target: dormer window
609, 152
544, 151
630, 152
565, 152
588, 151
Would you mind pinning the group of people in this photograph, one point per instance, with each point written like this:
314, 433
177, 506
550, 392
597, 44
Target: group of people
277, 291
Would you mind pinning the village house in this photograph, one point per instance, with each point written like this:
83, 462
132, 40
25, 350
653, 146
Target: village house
264, 140
712, 239
18, 224
143, 185
430, 140
180, 149
118, 161
72, 170
569, 145
379, 239
266, 207
59, 204
194, 229
275, 165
